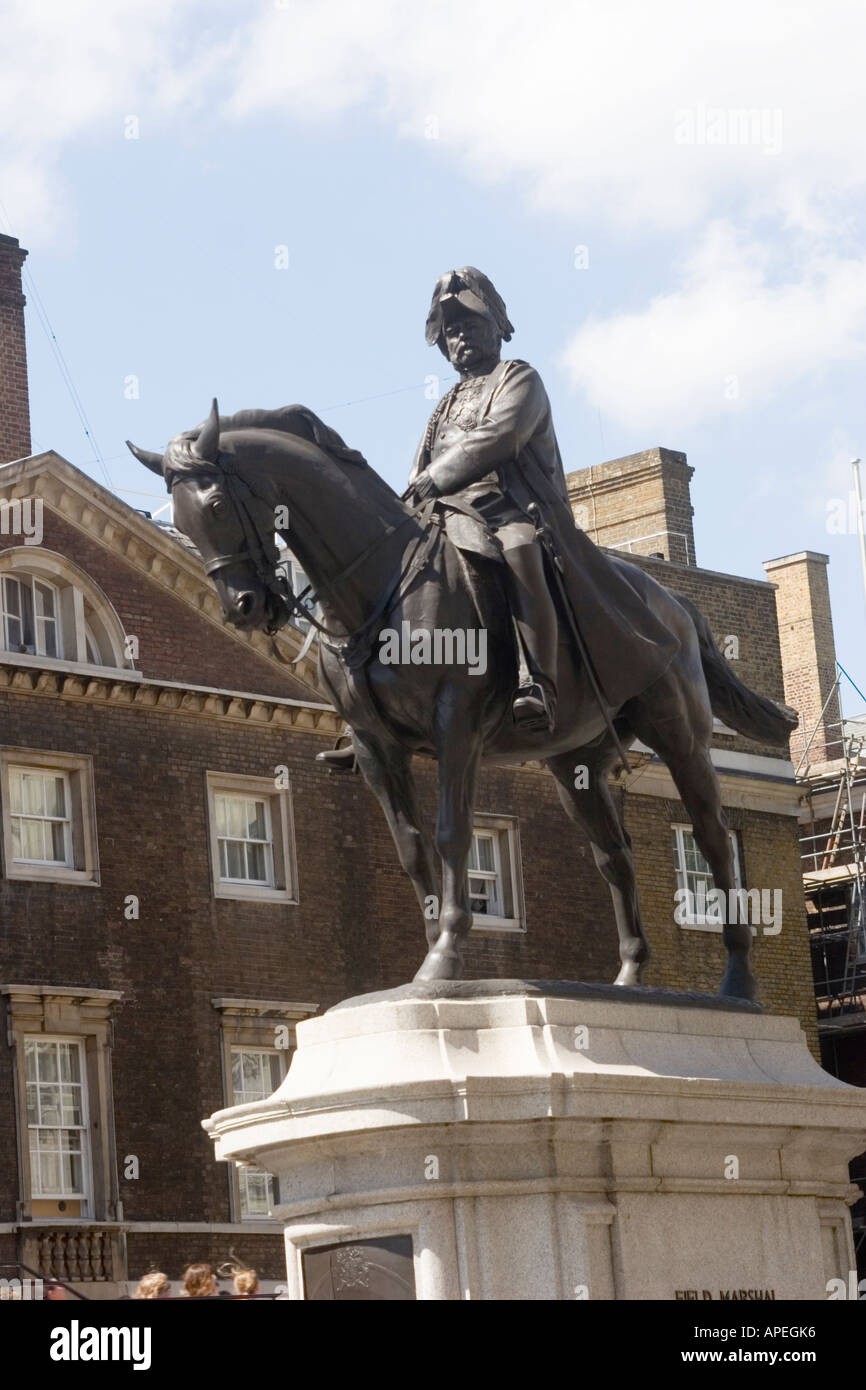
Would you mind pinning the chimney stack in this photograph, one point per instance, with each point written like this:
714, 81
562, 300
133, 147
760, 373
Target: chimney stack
640, 503
14, 398
808, 652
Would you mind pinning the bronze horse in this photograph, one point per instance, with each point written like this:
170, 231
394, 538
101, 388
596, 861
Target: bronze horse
375, 563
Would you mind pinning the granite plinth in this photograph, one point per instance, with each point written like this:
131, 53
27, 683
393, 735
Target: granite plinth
559, 1146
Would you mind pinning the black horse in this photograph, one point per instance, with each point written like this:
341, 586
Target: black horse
375, 563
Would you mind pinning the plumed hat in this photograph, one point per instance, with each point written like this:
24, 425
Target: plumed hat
473, 291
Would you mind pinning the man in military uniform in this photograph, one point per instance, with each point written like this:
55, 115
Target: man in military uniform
490, 429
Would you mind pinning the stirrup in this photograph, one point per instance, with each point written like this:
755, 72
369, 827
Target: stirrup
533, 710
339, 759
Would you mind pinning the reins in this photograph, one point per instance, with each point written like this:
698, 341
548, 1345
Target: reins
353, 646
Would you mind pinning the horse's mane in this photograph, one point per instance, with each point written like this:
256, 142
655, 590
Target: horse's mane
295, 419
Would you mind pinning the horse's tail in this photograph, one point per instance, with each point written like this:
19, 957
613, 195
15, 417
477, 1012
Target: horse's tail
732, 701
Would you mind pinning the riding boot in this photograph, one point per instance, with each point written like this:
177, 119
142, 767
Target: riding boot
339, 759
534, 706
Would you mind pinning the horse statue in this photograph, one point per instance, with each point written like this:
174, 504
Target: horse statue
376, 562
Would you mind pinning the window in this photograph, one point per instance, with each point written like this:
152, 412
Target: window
298, 582
255, 1076
30, 610
495, 890
61, 1044
695, 877
57, 1123
49, 826
252, 838
39, 816
50, 608
246, 848
257, 1038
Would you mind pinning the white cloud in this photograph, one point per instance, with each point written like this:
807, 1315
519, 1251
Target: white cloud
727, 338
588, 105
71, 73
626, 117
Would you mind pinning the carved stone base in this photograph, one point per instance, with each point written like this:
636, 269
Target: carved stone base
555, 1146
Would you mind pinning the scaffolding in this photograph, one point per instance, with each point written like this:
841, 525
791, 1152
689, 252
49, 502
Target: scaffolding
833, 853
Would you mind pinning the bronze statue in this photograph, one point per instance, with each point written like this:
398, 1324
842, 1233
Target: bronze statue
572, 671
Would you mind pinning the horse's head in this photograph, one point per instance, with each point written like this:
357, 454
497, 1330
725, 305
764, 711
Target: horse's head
231, 526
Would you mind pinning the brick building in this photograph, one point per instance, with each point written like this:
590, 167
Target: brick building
181, 883
829, 755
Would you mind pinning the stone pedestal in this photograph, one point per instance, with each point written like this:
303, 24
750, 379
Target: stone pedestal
555, 1142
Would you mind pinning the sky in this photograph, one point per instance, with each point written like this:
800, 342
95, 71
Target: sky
254, 202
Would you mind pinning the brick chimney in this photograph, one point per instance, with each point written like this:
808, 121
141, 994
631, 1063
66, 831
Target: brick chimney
14, 399
640, 503
808, 652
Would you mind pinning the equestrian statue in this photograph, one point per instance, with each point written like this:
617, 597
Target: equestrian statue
585, 651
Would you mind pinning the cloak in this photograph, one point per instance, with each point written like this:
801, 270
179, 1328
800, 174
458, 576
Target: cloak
502, 456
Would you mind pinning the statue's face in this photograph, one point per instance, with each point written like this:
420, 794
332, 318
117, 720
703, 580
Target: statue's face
471, 340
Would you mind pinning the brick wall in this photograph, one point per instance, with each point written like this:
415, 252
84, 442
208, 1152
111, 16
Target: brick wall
641, 499
14, 400
808, 651
175, 643
740, 609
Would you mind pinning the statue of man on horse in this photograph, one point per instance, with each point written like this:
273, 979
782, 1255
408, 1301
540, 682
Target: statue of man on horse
490, 455
586, 651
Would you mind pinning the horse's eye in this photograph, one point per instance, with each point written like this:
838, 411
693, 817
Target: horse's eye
218, 506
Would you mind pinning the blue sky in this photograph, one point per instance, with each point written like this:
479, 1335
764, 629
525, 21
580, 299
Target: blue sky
719, 305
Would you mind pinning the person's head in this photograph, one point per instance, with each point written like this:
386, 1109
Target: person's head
199, 1281
467, 320
55, 1291
472, 341
154, 1285
245, 1282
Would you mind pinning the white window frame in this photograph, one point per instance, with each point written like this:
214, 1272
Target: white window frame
267, 841
27, 579
278, 805
698, 921
255, 1173
85, 1197
506, 836
82, 846
79, 604
255, 1025
67, 861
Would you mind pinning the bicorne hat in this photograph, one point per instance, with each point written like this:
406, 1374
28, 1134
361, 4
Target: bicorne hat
471, 289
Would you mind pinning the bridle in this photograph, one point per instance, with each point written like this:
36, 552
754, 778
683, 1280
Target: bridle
354, 646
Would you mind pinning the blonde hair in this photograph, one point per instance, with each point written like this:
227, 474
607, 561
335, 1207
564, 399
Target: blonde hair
151, 1286
199, 1281
245, 1282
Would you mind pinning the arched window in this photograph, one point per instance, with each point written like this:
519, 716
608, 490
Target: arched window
50, 608
31, 615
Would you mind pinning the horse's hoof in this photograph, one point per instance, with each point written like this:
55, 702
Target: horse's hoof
630, 974
739, 983
440, 965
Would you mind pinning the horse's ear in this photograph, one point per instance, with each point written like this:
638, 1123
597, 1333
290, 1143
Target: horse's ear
207, 445
147, 457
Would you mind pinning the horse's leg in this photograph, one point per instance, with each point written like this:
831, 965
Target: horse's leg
593, 807
458, 751
388, 774
681, 733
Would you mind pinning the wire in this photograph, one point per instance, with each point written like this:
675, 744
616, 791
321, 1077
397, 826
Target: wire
847, 677
66, 375
62, 364
399, 391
